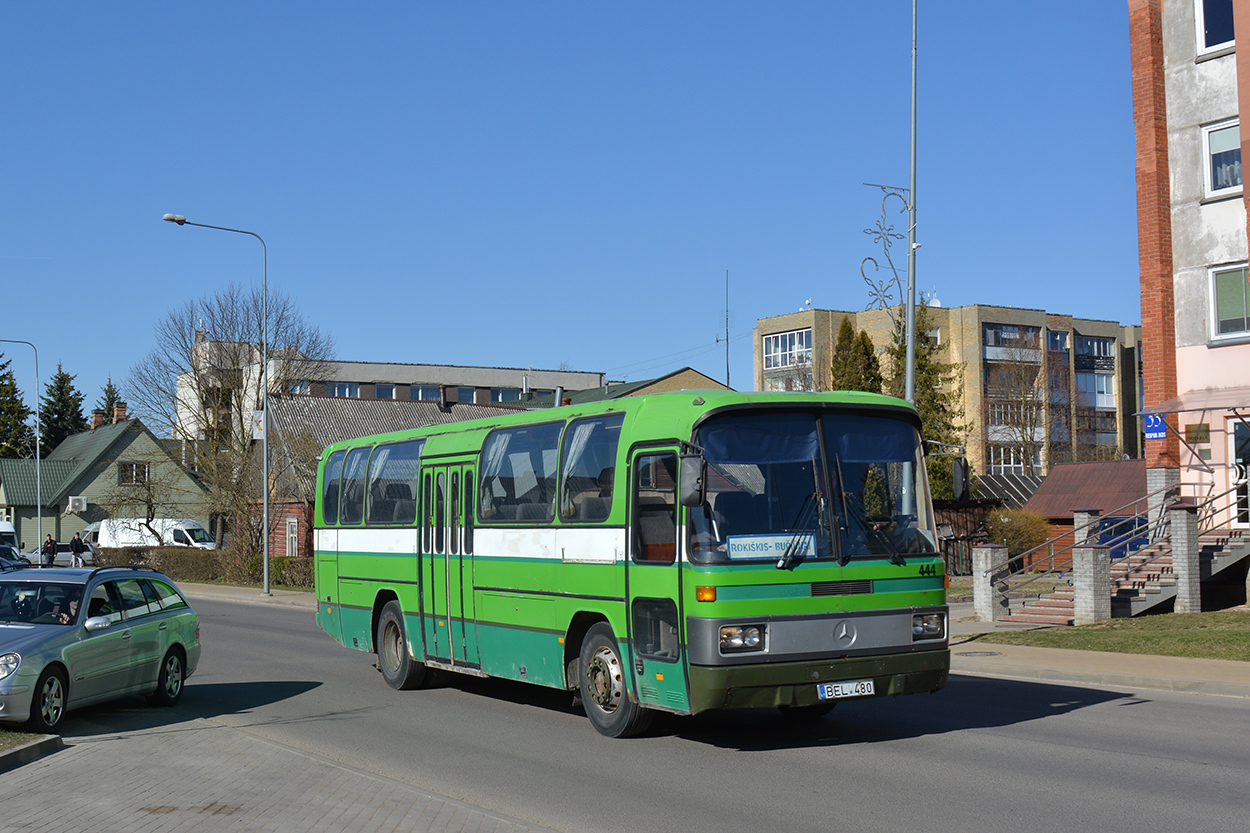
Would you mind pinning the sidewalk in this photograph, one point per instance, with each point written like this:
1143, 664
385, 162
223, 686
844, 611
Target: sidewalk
203, 776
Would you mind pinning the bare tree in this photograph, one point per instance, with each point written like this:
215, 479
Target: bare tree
1015, 401
201, 384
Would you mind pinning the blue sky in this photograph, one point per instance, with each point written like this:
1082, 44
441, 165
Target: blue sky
546, 184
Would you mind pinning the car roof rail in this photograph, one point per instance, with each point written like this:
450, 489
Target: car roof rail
143, 567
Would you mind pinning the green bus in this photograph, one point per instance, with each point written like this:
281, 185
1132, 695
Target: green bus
677, 552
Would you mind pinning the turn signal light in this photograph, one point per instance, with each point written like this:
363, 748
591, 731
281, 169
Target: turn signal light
705, 594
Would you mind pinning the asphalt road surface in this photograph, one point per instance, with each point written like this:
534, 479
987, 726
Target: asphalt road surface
981, 755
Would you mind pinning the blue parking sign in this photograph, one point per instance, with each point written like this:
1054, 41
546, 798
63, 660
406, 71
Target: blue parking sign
1156, 428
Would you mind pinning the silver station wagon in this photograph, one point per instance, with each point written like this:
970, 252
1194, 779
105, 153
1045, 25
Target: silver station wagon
73, 637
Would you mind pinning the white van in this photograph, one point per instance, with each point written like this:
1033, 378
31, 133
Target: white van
8, 535
134, 532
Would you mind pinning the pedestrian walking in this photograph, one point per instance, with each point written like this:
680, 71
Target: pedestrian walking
76, 549
49, 552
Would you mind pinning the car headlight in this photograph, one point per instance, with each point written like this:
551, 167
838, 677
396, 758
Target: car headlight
928, 626
737, 639
9, 664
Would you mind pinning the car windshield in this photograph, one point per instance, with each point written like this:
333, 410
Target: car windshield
199, 536
796, 485
39, 603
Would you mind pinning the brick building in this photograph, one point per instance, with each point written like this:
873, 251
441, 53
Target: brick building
1189, 81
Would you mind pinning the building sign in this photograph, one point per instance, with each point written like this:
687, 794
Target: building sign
1156, 428
1198, 432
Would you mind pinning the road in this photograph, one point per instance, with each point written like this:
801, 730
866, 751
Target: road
982, 755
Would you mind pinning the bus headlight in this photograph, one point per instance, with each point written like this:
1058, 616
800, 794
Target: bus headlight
928, 626
738, 639
9, 664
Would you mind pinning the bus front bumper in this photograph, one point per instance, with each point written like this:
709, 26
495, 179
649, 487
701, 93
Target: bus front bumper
794, 683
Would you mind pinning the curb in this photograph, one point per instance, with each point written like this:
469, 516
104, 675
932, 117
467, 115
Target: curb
989, 667
32, 750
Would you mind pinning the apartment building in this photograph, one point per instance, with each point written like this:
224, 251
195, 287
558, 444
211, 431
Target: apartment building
1037, 388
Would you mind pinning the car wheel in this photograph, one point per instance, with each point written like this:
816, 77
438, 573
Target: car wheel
47, 707
603, 690
169, 682
398, 668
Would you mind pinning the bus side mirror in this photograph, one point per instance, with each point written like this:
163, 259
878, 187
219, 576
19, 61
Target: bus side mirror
960, 478
693, 476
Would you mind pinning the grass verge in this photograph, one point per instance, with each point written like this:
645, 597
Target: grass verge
10, 739
1223, 634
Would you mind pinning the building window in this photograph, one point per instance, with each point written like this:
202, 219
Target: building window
299, 388
342, 389
1230, 294
1010, 335
1215, 24
788, 349
1097, 389
1057, 341
505, 394
1095, 346
1222, 158
1009, 459
465, 394
383, 391
424, 393
132, 474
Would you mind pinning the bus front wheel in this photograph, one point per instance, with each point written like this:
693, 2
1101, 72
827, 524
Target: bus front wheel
398, 668
604, 693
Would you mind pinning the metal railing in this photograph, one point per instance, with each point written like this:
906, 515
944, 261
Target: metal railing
1210, 513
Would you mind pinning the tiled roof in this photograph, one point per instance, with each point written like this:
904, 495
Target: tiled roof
329, 419
1106, 485
1012, 490
19, 478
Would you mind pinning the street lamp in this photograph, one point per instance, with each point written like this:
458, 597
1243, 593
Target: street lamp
38, 449
264, 360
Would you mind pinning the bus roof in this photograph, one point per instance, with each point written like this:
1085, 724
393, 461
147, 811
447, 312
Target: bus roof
672, 414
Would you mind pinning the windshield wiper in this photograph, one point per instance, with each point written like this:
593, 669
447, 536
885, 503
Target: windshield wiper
800, 527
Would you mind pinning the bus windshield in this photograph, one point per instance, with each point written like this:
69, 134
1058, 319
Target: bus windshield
792, 486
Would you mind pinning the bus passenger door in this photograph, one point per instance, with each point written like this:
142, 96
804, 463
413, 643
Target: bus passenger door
449, 580
653, 579
434, 563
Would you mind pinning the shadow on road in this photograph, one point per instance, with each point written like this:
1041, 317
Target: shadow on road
965, 703
207, 701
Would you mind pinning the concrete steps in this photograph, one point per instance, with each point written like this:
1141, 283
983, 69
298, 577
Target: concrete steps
1139, 581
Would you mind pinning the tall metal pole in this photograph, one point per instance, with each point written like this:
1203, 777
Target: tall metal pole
264, 360
38, 450
910, 379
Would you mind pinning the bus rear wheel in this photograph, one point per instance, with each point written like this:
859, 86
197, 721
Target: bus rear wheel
604, 694
398, 668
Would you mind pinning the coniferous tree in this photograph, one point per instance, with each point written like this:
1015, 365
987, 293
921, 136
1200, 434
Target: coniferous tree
938, 392
17, 438
854, 365
60, 411
110, 397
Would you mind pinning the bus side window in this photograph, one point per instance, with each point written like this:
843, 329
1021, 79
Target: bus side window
468, 513
329, 489
655, 508
352, 494
440, 514
453, 521
426, 509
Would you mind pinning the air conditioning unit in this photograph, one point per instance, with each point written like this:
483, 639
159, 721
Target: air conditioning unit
77, 503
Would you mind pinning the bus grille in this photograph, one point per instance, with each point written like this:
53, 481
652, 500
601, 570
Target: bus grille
841, 588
